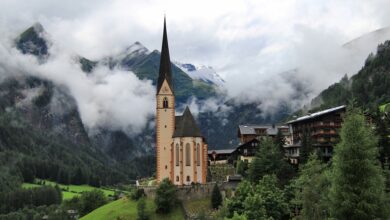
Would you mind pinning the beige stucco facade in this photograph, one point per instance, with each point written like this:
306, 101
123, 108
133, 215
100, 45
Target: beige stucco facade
189, 160
181, 159
165, 125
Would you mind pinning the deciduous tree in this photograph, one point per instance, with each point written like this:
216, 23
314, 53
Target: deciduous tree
165, 196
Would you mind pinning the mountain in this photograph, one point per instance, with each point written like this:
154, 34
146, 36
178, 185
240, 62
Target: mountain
32, 41
56, 144
369, 41
369, 88
145, 64
219, 127
203, 73
42, 134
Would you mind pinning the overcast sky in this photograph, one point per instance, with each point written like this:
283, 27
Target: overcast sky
216, 33
249, 43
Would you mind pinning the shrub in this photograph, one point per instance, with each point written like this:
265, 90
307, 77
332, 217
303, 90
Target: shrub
137, 194
216, 197
141, 210
165, 196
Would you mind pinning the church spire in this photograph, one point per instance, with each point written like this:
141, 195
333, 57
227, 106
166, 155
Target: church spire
165, 72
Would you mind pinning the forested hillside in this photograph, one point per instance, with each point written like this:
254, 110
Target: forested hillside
369, 88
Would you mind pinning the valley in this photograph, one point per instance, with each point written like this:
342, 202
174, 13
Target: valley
91, 138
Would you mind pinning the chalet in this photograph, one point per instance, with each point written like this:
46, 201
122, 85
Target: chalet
247, 151
250, 140
220, 156
321, 127
247, 133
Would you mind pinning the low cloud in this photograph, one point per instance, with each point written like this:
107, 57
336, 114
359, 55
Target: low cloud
113, 99
293, 73
215, 105
271, 53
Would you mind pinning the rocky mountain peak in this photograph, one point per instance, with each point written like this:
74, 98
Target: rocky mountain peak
32, 41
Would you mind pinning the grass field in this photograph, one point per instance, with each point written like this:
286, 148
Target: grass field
69, 191
127, 209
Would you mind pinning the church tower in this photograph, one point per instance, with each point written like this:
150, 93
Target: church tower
180, 147
165, 114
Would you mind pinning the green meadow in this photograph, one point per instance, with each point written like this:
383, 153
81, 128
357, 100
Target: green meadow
127, 209
70, 191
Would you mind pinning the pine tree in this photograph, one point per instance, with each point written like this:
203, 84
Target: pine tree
357, 190
216, 197
311, 189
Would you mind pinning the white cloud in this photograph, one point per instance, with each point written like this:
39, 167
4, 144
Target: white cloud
248, 42
106, 98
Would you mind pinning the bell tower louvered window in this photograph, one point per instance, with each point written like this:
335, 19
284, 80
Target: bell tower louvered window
165, 102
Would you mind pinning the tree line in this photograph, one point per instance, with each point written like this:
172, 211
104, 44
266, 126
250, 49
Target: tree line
31, 168
20, 198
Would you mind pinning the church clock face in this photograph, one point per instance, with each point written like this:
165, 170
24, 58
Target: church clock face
165, 89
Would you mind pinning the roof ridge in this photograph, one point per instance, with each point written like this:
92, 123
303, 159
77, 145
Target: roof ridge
186, 125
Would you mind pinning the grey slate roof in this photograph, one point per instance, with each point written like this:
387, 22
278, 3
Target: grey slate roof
165, 71
250, 129
316, 114
222, 151
185, 125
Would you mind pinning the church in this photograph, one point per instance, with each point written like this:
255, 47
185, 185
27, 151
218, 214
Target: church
180, 147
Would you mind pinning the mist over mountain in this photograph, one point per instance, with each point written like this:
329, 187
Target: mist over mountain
108, 93
361, 51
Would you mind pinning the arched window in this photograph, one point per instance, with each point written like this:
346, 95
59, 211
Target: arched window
177, 178
188, 178
177, 154
165, 102
188, 154
197, 155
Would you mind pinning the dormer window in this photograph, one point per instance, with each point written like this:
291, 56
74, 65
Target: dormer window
165, 102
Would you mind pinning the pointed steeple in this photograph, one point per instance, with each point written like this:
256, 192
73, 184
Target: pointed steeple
165, 72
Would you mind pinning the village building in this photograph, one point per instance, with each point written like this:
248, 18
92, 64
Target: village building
250, 137
322, 128
247, 151
247, 133
180, 147
221, 156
